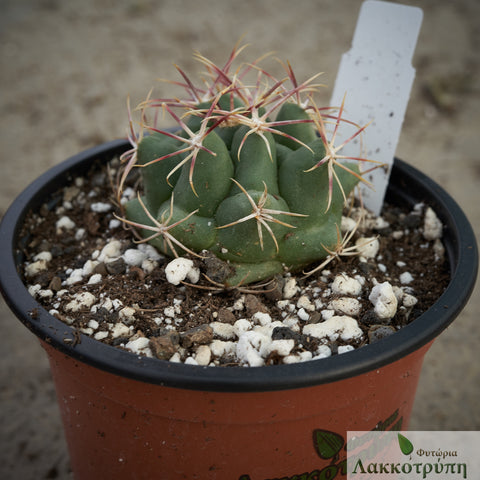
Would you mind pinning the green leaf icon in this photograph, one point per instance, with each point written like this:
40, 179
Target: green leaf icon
406, 445
327, 444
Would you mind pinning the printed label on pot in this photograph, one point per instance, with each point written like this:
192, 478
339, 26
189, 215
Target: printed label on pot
332, 447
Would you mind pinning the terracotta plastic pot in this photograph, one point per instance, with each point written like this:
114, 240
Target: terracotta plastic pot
130, 417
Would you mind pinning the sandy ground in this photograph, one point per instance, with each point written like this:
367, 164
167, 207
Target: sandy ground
66, 69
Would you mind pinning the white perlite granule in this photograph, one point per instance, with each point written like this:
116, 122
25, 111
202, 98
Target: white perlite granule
367, 247
348, 306
76, 276
36, 267
47, 256
406, 278
345, 285
180, 269
290, 288
120, 330
343, 326
111, 250
432, 226
64, 223
95, 279
140, 346
80, 300
134, 257
223, 330
384, 300
101, 207
254, 346
249, 346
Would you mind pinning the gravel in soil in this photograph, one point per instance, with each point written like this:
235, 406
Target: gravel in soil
85, 268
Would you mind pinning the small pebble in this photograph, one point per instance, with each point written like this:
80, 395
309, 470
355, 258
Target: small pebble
200, 335
45, 293
203, 355
253, 304
323, 351
55, 284
150, 251
114, 223
377, 332
149, 265
165, 346
226, 316
116, 266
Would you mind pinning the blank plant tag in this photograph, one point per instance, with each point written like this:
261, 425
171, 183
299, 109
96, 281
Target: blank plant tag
376, 76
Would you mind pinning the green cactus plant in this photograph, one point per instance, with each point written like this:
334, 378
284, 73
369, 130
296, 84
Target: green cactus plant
262, 195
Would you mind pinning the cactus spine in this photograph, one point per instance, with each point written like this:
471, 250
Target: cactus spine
262, 195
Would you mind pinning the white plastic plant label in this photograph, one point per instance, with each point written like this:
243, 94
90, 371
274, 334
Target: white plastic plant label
376, 75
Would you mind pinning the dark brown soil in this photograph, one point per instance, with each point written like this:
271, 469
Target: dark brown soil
403, 248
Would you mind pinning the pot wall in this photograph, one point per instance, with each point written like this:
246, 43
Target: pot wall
119, 428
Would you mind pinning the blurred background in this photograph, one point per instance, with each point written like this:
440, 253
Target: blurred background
66, 68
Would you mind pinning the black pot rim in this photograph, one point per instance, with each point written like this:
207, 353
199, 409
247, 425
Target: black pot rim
407, 185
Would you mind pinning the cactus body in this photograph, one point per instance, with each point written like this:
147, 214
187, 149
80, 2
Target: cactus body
260, 198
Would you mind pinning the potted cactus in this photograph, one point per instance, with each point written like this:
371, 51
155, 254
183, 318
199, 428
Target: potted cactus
251, 185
